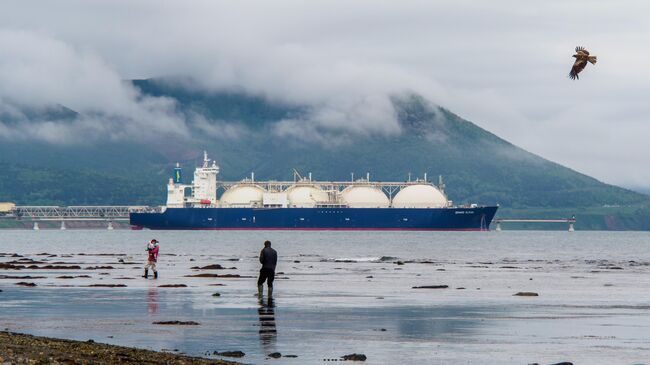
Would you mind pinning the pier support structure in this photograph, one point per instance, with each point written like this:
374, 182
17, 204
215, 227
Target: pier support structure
54, 214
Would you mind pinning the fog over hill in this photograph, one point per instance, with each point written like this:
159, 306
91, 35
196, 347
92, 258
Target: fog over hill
246, 133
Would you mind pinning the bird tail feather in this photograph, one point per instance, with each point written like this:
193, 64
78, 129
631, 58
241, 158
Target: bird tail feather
592, 59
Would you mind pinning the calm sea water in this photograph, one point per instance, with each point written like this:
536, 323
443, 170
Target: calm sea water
347, 292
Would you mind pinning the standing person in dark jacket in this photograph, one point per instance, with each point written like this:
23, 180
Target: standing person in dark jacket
268, 259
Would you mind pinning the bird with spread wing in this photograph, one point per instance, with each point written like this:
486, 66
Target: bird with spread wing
582, 57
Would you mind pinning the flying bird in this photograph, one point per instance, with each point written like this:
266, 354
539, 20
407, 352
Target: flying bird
582, 57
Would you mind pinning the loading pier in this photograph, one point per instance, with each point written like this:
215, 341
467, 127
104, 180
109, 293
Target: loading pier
38, 214
570, 221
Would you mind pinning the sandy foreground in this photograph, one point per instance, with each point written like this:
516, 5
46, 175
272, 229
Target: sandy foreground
16, 348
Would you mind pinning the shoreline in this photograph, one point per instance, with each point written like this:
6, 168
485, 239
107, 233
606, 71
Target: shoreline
20, 348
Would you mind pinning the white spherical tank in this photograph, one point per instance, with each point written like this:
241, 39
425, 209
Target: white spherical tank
419, 196
305, 196
364, 197
243, 196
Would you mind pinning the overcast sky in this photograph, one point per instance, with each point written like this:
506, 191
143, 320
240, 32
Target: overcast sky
501, 64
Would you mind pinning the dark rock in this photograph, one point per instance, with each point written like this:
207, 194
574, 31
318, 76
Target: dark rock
72, 277
171, 285
205, 275
107, 286
217, 276
354, 357
526, 294
431, 287
25, 261
509, 267
99, 268
440, 270
296, 261
563, 363
59, 267
400, 262
21, 277
230, 353
177, 323
369, 277
22, 283
209, 267
216, 294
460, 288
291, 356
275, 355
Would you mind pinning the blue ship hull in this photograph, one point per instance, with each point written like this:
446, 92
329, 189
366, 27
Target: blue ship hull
448, 219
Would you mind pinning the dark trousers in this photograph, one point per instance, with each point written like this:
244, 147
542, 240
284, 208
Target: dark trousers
266, 274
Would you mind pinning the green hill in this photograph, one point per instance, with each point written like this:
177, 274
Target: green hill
478, 166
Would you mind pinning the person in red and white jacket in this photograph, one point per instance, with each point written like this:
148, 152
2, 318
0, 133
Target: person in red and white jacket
152, 249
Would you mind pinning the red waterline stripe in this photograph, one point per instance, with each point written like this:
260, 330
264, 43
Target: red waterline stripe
324, 229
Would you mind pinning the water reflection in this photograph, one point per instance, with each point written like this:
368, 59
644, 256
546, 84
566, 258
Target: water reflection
268, 332
152, 300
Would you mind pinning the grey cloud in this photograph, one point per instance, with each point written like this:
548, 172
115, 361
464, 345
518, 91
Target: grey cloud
39, 72
502, 64
217, 128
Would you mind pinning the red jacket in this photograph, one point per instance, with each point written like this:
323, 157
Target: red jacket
153, 252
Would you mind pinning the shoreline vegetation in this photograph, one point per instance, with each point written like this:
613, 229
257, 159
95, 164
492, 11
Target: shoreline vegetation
18, 348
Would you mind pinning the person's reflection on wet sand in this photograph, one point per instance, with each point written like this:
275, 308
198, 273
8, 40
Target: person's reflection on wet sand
268, 333
152, 300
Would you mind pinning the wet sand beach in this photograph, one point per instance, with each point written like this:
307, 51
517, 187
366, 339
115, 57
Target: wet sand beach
416, 297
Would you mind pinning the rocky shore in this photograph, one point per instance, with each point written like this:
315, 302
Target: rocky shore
16, 348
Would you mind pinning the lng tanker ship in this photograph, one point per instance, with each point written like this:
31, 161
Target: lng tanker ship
306, 204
